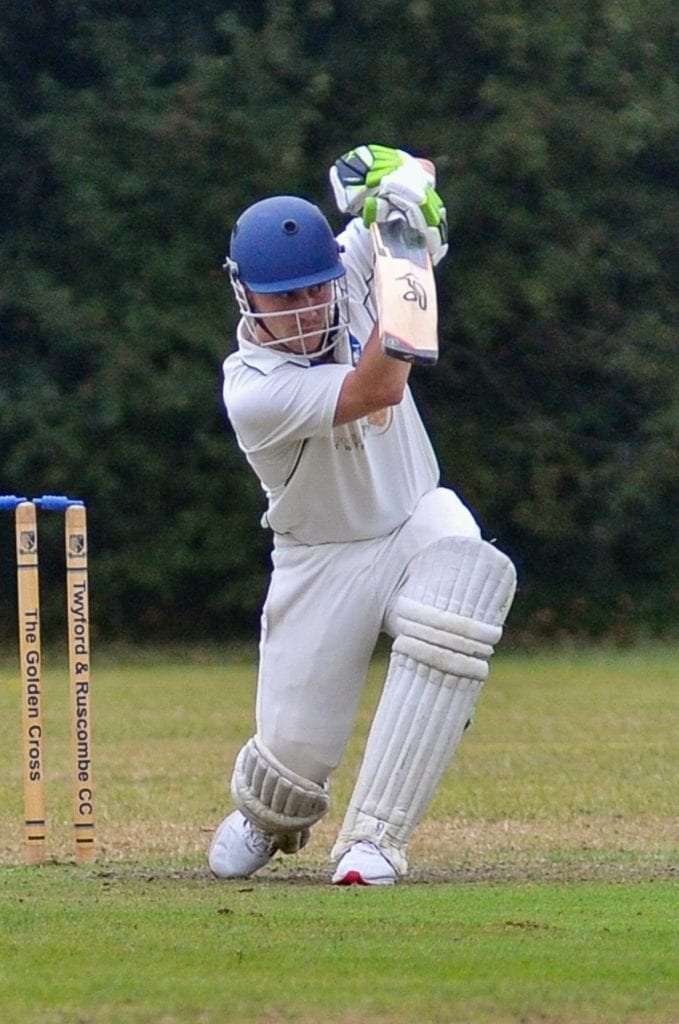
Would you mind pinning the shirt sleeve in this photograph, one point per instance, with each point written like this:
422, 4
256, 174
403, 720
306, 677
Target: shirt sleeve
357, 257
289, 404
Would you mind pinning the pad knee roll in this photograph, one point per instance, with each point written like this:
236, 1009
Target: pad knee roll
453, 606
275, 799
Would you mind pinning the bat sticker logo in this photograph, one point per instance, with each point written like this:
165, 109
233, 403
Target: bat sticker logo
415, 292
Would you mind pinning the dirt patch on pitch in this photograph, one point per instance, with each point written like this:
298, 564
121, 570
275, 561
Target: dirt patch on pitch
466, 853
528, 873
454, 851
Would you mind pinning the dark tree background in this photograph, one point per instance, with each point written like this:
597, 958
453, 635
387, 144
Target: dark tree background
133, 134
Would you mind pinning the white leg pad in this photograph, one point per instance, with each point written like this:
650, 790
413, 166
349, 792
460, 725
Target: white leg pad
451, 612
276, 800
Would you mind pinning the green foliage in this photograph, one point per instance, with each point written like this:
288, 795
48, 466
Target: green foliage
134, 134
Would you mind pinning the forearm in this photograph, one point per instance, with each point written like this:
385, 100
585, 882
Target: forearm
377, 382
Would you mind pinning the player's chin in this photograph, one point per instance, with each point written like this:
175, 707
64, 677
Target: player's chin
314, 344
315, 350
297, 348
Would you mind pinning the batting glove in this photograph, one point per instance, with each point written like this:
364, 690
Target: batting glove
380, 183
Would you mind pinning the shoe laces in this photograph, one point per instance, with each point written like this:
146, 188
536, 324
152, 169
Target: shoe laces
259, 842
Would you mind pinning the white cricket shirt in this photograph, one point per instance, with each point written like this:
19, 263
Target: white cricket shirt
327, 484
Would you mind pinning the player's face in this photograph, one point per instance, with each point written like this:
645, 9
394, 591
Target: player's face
299, 320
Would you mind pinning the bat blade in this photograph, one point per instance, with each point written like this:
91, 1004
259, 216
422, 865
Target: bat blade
405, 293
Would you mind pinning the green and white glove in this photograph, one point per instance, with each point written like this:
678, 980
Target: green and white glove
379, 183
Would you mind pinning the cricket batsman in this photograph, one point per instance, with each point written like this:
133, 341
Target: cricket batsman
365, 541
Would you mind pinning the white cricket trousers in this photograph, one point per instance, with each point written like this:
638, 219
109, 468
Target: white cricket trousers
325, 609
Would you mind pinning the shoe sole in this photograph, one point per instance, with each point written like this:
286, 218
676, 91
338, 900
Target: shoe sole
356, 878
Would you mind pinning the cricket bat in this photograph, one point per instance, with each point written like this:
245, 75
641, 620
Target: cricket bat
405, 293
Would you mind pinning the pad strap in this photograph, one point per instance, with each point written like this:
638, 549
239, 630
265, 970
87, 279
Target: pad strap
451, 643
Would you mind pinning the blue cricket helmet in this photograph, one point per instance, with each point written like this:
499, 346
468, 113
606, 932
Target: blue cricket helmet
282, 243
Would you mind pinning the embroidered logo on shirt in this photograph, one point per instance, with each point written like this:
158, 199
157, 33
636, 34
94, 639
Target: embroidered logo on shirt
379, 421
351, 437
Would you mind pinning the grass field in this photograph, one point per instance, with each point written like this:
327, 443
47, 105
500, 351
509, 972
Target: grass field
543, 886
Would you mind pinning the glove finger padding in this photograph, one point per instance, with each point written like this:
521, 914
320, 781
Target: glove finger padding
383, 208
378, 170
379, 183
358, 173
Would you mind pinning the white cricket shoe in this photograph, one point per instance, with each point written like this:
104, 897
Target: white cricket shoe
238, 849
364, 864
